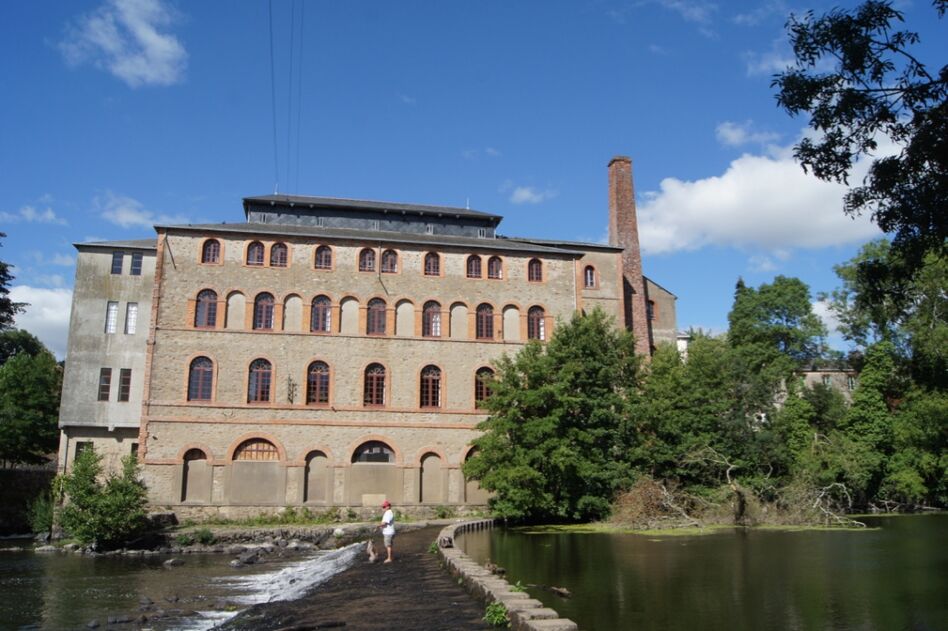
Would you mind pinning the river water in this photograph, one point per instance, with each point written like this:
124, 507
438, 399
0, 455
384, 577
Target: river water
891, 577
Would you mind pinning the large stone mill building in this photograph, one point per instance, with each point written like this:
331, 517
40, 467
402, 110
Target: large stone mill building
325, 352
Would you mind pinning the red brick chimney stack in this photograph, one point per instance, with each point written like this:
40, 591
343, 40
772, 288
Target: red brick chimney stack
624, 233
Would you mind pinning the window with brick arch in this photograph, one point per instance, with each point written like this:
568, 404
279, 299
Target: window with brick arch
324, 257
374, 386
263, 312
367, 260
431, 319
481, 385
320, 320
375, 317
256, 449
259, 381
536, 323
200, 379
194, 454
205, 309
473, 266
389, 262
317, 384
495, 268
373, 451
535, 271
484, 322
211, 251
255, 253
278, 255
432, 264
430, 387
589, 277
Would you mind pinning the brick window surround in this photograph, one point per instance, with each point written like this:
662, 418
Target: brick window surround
431, 319
484, 322
536, 323
375, 317
205, 309
256, 449
389, 262
323, 257
200, 379
474, 266
535, 271
367, 260
258, 385
481, 389
263, 312
255, 254
495, 268
211, 251
320, 320
374, 390
278, 255
432, 264
317, 384
430, 396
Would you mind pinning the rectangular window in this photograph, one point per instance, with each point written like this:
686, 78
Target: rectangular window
136, 264
134, 450
374, 224
125, 384
482, 233
851, 382
117, 258
111, 317
131, 318
319, 222
429, 228
826, 380
105, 383
650, 309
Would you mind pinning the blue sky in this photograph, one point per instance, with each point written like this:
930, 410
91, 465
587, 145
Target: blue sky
121, 113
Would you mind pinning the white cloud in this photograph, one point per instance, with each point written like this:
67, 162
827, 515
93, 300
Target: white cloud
30, 214
691, 10
407, 100
734, 134
763, 203
47, 316
125, 37
492, 152
775, 60
822, 309
128, 212
529, 195
761, 13
62, 260
761, 263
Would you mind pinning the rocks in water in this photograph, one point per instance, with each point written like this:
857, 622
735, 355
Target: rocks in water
338, 532
236, 563
93, 624
173, 563
249, 558
562, 592
172, 598
45, 549
120, 619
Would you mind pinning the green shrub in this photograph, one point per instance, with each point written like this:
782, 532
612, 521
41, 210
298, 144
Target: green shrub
184, 539
496, 615
41, 511
518, 587
205, 537
433, 547
444, 512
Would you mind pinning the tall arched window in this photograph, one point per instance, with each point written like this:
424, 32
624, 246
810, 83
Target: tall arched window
474, 266
211, 251
367, 260
320, 320
255, 253
430, 387
431, 319
323, 257
278, 255
481, 385
317, 384
263, 312
374, 390
375, 317
200, 379
256, 449
589, 277
535, 271
258, 383
484, 328
389, 262
373, 451
205, 309
536, 323
432, 264
495, 268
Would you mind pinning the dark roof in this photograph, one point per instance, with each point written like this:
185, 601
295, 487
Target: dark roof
585, 245
132, 244
364, 204
659, 286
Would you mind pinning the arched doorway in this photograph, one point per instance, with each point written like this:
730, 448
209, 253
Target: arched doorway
430, 487
316, 484
195, 477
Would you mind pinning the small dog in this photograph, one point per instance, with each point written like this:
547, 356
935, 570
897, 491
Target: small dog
370, 550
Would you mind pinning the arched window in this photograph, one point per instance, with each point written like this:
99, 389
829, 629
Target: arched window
373, 451
211, 251
432, 264
535, 271
200, 379
255, 253
589, 277
375, 317
317, 384
320, 320
374, 392
324, 257
431, 319
481, 385
430, 387
194, 454
474, 266
256, 449
367, 260
278, 255
389, 262
263, 312
205, 309
485, 322
495, 268
258, 383
536, 323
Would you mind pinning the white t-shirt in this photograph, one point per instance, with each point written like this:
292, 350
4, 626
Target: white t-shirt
389, 520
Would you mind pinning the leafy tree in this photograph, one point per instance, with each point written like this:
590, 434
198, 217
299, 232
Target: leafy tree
8, 308
29, 407
13, 341
877, 87
552, 447
917, 471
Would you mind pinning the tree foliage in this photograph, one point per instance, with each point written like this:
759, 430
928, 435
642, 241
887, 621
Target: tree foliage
13, 341
8, 308
29, 407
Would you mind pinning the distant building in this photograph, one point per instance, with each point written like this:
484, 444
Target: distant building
326, 352
843, 380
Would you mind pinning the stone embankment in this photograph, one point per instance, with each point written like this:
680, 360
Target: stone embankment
525, 613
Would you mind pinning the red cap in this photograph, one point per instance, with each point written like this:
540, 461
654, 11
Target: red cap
386, 504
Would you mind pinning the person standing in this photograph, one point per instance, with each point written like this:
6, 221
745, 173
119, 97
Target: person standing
388, 529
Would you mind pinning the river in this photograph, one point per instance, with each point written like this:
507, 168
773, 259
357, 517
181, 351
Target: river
890, 577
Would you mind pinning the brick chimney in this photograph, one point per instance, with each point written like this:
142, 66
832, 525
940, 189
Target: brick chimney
624, 233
